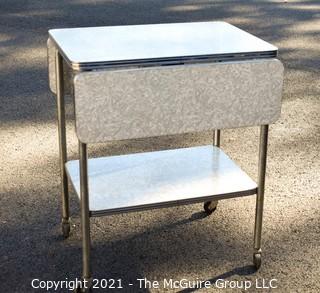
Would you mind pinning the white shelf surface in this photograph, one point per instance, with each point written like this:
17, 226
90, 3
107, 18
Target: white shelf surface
162, 178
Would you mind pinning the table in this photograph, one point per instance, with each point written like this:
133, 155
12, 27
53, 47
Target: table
139, 81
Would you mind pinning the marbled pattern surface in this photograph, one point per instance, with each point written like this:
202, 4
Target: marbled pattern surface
52, 70
133, 103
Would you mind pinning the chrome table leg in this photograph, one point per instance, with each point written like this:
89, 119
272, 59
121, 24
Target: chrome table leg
65, 224
85, 217
210, 206
216, 137
260, 195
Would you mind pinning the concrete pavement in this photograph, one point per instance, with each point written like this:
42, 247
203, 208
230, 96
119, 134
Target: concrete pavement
168, 243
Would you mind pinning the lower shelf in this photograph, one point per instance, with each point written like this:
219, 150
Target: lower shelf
163, 178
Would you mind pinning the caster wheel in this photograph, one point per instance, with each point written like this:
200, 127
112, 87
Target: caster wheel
65, 227
257, 260
210, 206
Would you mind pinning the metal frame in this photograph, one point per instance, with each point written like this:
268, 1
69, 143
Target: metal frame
211, 206
85, 216
83, 166
216, 137
65, 222
263, 146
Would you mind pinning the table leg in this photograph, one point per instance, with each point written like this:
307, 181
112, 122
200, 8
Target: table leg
216, 137
65, 223
211, 206
85, 217
260, 195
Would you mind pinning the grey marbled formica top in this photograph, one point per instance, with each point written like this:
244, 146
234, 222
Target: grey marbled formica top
67, 73
154, 101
